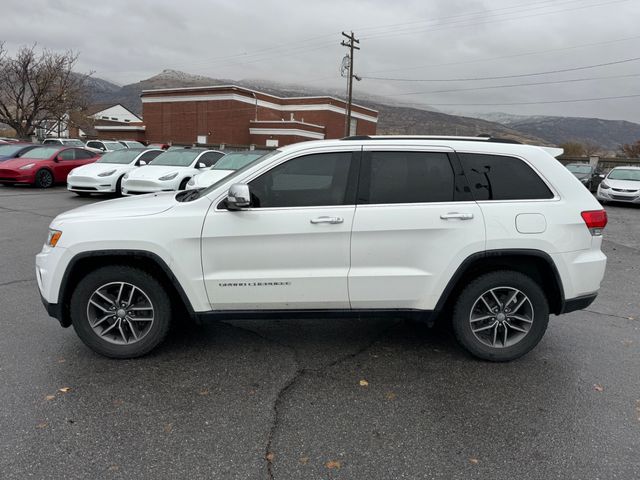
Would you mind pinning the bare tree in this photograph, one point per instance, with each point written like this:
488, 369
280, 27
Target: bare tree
36, 88
631, 150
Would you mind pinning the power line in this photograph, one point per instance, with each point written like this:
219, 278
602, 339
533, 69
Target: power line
472, 79
573, 80
545, 102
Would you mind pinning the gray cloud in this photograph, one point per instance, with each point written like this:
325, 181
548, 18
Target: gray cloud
298, 42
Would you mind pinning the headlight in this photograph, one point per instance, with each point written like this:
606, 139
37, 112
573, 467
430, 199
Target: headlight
604, 186
106, 174
192, 182
170, 176
27, 167
53, 237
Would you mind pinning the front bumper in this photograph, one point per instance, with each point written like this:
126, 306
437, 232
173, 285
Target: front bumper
578, 303
140, 187
9, 176
610, 195
77, 183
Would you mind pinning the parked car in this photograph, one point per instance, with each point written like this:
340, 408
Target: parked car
364, 226
15, 150
105, 175
163, 146
589, 175
104, 145
622, 184
67, 142
169, 171
223, 167
131, 143
45, 165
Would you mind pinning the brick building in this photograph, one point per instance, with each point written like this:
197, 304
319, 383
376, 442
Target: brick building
234, 115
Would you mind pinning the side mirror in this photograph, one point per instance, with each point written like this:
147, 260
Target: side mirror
141, 163
601, 175
56, 158
202, 165
238, 197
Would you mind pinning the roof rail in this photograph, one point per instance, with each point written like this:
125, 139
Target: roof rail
479, 138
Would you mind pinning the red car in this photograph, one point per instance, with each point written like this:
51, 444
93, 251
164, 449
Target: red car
44, 166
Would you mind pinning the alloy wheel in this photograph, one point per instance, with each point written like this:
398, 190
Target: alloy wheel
501, 317
120, 313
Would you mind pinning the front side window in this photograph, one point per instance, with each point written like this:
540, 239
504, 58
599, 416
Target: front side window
148, 156
311, 180
210, 158
497, 177
407, 177
68, 154
83, 154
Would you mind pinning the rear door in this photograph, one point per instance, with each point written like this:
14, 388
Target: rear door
415, 223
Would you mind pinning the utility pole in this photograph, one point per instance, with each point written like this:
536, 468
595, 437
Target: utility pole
351, 44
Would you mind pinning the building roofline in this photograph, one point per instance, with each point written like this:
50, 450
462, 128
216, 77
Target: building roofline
221, 87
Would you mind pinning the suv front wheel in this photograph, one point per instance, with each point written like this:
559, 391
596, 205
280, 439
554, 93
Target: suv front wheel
120, 312
501, 316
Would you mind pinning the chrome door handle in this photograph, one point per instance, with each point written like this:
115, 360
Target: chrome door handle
460, 216
327, 220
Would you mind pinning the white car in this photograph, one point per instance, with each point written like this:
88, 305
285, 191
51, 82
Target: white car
416, 227
169, 171
67, 142
131, 143
105, 175
622, 184
223, 167
102, 146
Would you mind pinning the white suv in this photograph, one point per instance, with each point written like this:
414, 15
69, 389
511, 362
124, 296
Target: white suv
493, 236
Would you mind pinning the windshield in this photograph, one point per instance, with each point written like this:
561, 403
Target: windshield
235, 161
239, 172
114, 145
72, 143
579, 168
122, 157
624, 174
176, 158
41, 153
10, 150
133, 144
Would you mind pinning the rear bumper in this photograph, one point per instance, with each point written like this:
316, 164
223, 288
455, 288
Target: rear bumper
578, 303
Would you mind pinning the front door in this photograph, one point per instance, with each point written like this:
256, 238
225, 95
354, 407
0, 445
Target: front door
414, 224
290, 249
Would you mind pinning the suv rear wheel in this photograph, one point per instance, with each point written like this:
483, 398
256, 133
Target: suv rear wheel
120, 312
501, 316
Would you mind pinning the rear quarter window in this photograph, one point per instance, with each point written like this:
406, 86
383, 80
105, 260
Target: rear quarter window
498, 177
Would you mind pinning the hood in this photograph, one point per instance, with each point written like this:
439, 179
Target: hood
210, 177
13, 163
94, 169
153, 172
626, 184
137, 206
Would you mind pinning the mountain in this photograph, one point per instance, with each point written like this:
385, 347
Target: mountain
607, 134
395, 119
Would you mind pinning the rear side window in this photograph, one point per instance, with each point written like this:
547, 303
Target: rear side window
497, 177
407, 177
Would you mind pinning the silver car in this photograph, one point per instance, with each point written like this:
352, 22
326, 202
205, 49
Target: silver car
622, 184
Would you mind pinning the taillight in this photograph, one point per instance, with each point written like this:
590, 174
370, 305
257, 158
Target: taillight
596, 220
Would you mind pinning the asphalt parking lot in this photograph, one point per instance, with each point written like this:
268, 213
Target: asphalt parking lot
325, 398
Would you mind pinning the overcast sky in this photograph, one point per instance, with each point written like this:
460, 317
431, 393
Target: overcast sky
299, 42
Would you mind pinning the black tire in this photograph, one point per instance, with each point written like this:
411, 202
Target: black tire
155, 292
44, 178
118, 191
83, 194
471, 294
183, 184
